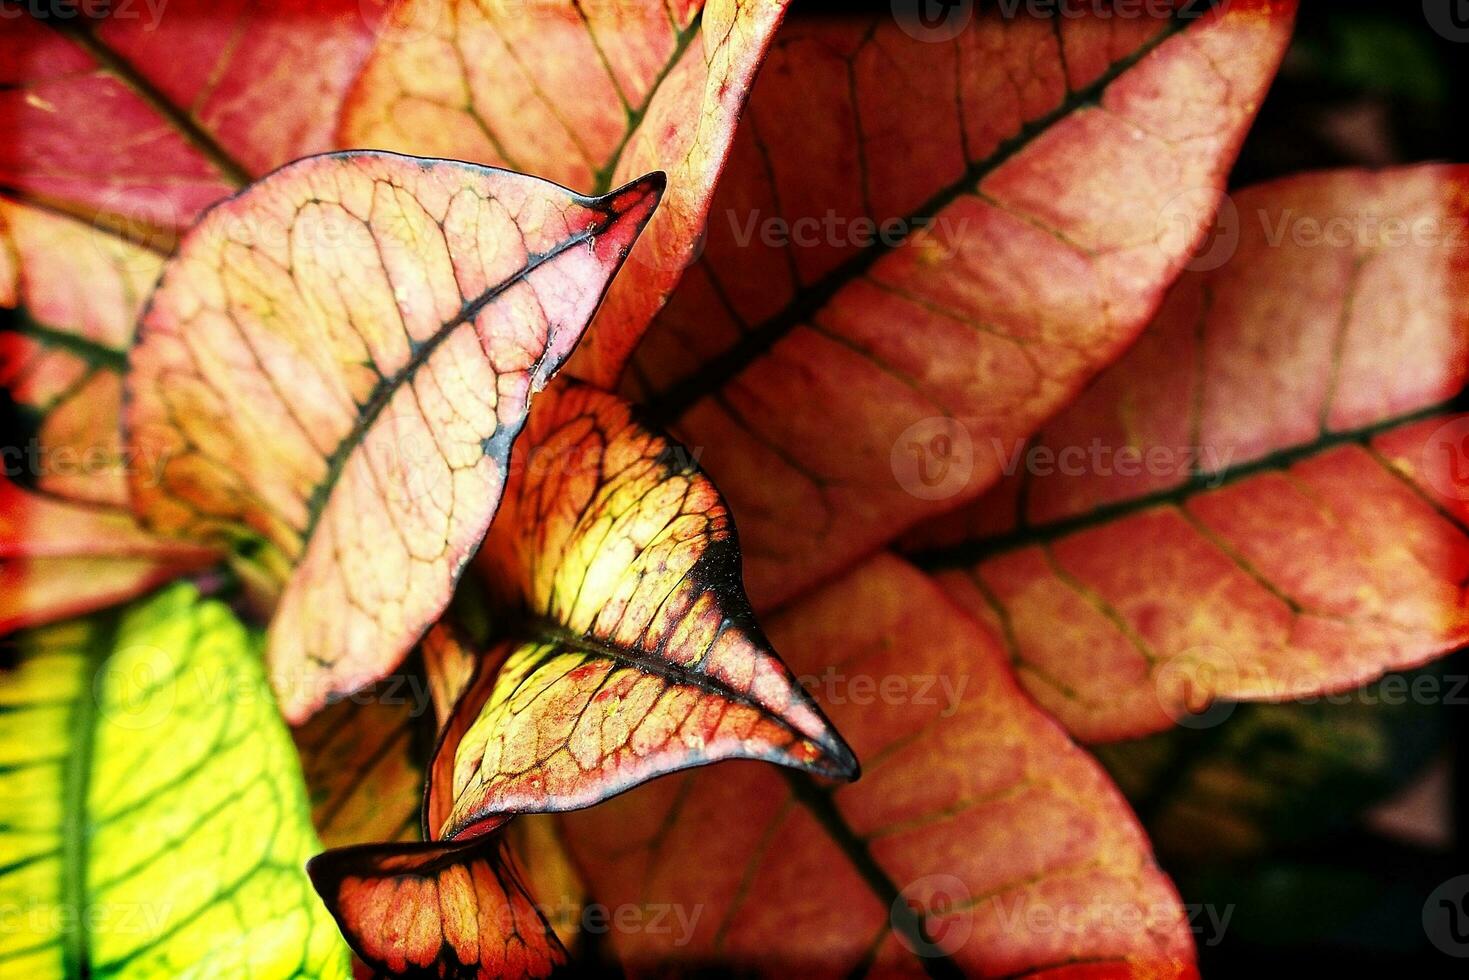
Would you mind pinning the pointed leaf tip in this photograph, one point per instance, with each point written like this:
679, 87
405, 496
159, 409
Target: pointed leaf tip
333, 370
636, 653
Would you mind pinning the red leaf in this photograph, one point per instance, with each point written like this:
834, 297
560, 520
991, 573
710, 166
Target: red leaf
587, 95
379, 894
68, 545
140, 121
1289, 514
1061, 195
976, 819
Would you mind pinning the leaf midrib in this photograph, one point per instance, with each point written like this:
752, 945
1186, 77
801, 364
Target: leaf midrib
385, 389
176, 116
543, 630
974, 551
76, 831
667, 406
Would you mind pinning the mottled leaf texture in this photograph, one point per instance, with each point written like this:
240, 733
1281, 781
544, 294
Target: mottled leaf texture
155, 823
636, 653
438, 910
977, 829
586, 94
68, 543
140, 120
626, 651
918, 245
1266, 498
332, 371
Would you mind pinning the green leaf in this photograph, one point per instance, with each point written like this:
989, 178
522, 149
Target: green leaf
156, 822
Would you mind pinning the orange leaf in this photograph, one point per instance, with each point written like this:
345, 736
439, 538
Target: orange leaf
627, 650
920, 244
379, 894
138, 122
67, 542
1265, 499
585, 94
979, 834
635, 652
331, 374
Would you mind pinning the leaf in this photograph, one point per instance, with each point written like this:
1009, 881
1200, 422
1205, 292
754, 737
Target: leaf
363, 760
587, 95
976, 821
331, 374
636, 652
1300, 528
899, 263
626, 651
68, 544
156, 824
382, 896
140, 121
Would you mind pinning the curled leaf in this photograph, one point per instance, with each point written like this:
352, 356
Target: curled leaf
455, 910
331, 374
636, 652
627, 651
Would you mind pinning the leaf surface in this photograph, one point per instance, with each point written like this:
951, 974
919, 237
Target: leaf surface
331, 374
625, 650
443, 910
588, 95
945, 250
68, 544
977, 827
636, 652
155, 824
138, 123
1291, 518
